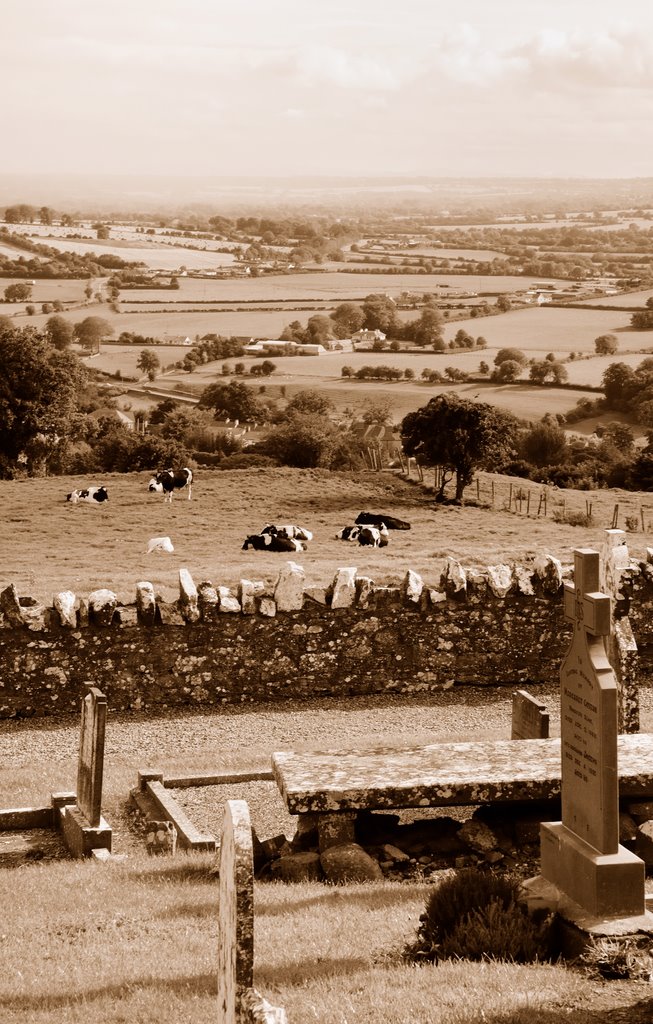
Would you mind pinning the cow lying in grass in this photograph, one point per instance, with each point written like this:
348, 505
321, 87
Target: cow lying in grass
170, 480
367, 536
272, 542
90, 495
374, 519
290, 531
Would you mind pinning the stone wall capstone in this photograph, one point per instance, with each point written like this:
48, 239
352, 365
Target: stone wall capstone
500, 626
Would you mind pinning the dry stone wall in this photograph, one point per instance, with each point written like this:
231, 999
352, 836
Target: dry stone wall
503, 625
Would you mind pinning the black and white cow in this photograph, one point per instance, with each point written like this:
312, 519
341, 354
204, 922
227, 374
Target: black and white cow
367, 536
170, 480
91, 495
374, 519
348, 533
270, 542
288, 530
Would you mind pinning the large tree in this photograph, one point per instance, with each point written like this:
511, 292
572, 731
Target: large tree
149, 363
234, 400
459, 435
59, 332
18, 292
348, 318
39, 393
91, 331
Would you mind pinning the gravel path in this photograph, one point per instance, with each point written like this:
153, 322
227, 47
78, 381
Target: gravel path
245, 737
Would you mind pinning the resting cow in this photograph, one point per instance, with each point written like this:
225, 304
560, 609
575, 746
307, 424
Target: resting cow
91, 495
367, 536
374, 519
268, 542
290, 531
170, 480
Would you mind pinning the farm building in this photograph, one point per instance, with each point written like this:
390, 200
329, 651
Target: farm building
365, 337
279, 348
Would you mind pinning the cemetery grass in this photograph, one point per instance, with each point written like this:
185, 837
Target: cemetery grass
136, 941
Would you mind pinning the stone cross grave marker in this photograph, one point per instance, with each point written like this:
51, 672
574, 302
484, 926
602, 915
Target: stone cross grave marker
581, 855
90, 768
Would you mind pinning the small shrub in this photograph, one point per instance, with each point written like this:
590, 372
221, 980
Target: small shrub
632, 524
572, 518
477, 915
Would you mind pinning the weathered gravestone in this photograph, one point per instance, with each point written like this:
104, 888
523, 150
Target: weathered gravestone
581, 855
238, 1001
82, 825
530, 719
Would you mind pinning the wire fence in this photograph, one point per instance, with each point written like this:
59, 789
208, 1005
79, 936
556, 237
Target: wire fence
532, 500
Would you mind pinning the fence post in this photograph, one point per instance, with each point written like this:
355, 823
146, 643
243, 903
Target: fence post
528, 503
641, 512
615, 517
493, 494
510, 499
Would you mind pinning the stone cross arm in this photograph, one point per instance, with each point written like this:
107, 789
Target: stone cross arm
585, 605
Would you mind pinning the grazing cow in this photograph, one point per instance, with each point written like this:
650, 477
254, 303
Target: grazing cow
390, 522
269, 542
290, 531
367, 536
91, 495
170, 480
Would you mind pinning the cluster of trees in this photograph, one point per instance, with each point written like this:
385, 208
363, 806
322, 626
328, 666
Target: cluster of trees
51, 263
630, 390
209, 348
460, 436
546, 454
642, 320
378, 312
377, 373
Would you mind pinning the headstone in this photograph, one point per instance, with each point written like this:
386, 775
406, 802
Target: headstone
236, 912
581, 855
621, 645
82, 825
238, 1001
90, 767
530, 719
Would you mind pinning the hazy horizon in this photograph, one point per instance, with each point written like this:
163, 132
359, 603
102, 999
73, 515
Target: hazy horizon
549, 89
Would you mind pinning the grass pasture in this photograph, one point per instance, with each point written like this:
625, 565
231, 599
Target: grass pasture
48, 545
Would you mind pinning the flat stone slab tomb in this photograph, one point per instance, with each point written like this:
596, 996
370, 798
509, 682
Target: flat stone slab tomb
442, 774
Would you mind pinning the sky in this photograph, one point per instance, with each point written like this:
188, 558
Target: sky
466, 88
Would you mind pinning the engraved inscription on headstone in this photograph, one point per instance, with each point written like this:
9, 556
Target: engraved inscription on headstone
588, 714
91, 756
